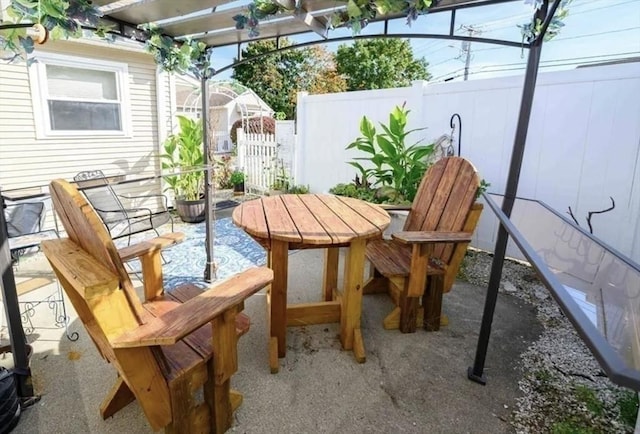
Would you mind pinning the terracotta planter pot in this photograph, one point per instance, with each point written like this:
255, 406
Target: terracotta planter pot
190, 211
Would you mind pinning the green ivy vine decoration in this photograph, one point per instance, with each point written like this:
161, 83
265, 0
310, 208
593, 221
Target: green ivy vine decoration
358, 13
64, 19
61, 19
531, 30
257, 11
356, 16
188, 57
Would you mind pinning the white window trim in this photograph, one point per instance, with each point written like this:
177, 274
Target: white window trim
38, 80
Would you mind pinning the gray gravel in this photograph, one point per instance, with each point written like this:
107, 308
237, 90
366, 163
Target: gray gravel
563, 388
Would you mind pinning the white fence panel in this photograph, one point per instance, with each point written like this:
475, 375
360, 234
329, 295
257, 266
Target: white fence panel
583, 143
286, 141
256, 154
266, 157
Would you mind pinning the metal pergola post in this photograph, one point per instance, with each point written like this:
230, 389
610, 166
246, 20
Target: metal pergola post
545, 14
19, 347
210, 266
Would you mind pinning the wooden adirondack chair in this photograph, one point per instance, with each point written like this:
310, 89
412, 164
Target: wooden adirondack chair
163, 349
421, 261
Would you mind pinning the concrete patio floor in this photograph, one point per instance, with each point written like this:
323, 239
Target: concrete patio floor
412, 383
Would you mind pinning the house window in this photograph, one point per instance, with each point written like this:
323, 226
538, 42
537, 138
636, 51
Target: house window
78, 96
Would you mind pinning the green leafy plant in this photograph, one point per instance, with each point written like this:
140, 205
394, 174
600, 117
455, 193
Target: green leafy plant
351, 190
394, 163
184, 152
482, 188
298, 189
237, 178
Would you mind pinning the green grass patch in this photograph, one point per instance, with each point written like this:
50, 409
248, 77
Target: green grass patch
588, 396
542, 375
628, 406
572, 426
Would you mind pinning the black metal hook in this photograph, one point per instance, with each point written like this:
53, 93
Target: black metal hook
453, 128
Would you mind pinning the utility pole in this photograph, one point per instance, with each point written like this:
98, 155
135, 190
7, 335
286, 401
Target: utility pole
465, 48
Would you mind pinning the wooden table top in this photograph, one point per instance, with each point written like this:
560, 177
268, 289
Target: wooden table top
311, 219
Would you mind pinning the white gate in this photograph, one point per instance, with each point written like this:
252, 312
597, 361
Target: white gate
266, 159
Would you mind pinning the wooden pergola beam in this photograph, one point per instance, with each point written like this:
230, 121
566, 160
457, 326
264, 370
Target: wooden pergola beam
301, 14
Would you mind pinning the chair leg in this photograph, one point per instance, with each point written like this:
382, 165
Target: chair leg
181, 406
432, 302
408, 313
119, 397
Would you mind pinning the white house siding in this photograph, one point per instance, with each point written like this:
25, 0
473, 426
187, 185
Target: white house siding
27, 161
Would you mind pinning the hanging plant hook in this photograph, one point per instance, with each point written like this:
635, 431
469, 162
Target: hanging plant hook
453, 130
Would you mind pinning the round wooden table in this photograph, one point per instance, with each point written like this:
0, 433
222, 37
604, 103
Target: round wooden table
289, 222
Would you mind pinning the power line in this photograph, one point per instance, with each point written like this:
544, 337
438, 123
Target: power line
587, 35
523, 66
572, 13
575, 60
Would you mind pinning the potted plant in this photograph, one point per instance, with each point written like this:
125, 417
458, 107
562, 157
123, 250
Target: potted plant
237, 180
184, 153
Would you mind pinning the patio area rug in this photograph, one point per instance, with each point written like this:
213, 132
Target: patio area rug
224, 204
234, 251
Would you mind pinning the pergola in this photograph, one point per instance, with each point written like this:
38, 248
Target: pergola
201, 20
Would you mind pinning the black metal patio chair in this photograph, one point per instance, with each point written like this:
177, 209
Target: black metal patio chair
120, 220
25, 229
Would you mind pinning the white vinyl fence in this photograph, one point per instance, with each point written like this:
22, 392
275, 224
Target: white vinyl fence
267, 158
583, 144
257, 153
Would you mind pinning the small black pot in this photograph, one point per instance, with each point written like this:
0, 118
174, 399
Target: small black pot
238, 188
190, 211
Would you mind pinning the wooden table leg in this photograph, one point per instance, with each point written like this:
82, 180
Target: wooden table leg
350, 335
280, 265
330, 277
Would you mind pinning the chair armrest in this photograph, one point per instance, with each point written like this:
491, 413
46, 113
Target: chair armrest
146, 196
148, 246
423, 237
147, 211
394, 207
174, 325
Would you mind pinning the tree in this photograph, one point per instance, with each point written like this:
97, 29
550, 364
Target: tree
278, 77
379, 64
321, 69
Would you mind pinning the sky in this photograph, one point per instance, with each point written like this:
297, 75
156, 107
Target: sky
594, 31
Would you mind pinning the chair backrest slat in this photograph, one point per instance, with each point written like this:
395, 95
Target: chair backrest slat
443, 201
84, 227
